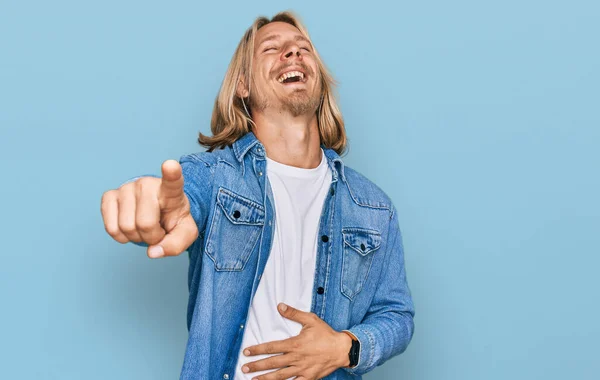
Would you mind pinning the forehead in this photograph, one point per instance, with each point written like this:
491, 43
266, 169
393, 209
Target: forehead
277, 29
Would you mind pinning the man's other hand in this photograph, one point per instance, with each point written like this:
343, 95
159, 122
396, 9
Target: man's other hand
315, 353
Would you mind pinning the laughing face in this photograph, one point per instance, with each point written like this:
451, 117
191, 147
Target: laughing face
285, 76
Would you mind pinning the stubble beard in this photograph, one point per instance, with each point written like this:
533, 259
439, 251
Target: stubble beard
298, 103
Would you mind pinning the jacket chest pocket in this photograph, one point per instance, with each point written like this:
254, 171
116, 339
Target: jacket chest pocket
236, 226
360, 245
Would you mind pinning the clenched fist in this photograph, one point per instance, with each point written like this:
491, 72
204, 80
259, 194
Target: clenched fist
154, 211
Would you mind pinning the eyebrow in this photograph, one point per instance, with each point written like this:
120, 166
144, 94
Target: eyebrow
272, 37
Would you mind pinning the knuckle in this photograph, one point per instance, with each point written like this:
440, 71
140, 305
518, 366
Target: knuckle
297, 358
112, 230
121, 239
108, 196
145, 225
127, 227
105, 204
127, 188
144, 183
269, 348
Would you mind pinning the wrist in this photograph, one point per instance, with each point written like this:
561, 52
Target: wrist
345, 344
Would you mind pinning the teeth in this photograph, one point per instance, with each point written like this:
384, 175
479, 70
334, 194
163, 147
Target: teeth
291, 74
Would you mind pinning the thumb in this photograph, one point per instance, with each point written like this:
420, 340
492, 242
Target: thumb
177, 240
294, 314
171, 187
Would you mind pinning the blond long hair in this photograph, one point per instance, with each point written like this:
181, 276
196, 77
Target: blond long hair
230, 121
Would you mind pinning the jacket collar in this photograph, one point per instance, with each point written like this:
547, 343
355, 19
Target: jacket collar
249, 142
242, 145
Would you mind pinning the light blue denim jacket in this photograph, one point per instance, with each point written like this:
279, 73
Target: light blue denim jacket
360, 260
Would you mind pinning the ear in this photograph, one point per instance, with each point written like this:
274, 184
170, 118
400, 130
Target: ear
242, 88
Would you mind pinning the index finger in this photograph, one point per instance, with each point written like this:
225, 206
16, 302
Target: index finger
274, 347
172, 180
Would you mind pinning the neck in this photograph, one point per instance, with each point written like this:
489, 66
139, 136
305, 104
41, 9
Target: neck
290, 140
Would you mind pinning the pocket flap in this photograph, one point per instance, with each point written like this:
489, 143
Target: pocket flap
362, 240
240, 210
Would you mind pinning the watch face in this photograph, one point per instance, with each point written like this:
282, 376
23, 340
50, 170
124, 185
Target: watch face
354, 353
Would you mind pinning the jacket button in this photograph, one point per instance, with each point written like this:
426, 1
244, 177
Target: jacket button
362, 246
332, 191
226, 376
324, 238
320, 290
236, 214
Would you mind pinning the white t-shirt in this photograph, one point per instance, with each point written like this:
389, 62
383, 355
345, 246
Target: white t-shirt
289, 273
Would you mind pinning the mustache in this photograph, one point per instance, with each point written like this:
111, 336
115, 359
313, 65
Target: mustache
304, 67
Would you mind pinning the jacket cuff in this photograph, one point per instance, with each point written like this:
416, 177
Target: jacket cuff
365, 356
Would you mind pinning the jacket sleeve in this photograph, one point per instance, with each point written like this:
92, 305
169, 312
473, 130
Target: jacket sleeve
387, 328
197, 186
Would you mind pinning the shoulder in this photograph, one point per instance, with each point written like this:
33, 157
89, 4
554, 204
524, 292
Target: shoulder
208, 159
365, 192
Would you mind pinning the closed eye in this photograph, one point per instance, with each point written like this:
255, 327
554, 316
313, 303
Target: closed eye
269, 48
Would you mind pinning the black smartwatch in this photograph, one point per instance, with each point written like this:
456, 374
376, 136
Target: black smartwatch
354, 350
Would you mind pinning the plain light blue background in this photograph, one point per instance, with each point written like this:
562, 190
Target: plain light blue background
480, 120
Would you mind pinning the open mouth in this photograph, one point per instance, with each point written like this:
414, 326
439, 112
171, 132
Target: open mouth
291, 77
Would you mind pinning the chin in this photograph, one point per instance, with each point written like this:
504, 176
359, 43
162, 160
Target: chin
299, 107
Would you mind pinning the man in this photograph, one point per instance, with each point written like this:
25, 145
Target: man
296, 260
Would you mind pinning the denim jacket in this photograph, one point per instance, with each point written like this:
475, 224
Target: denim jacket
360, 280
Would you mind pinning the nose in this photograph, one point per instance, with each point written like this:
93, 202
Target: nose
293, 51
